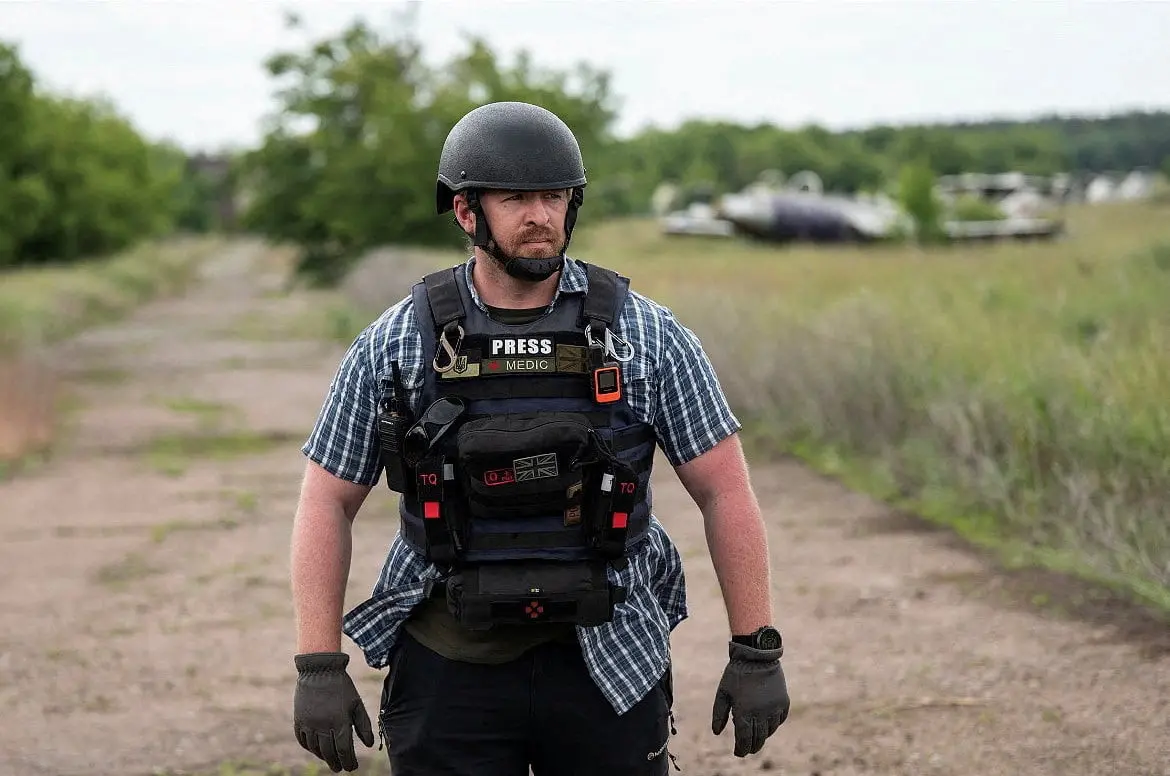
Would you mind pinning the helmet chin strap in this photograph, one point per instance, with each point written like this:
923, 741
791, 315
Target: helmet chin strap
519, 267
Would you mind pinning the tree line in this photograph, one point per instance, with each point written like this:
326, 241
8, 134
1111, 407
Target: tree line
77, 179
348, 161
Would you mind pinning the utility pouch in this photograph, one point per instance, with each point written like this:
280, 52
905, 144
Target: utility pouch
619, 488
517, 592
525, 464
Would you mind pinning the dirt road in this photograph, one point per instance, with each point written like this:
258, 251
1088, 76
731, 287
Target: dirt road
147, 624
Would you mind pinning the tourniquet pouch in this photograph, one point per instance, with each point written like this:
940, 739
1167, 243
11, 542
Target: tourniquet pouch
524, 465
532, 591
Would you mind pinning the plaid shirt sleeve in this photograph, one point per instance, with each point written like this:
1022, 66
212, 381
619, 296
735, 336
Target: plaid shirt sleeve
692, 413
344, 439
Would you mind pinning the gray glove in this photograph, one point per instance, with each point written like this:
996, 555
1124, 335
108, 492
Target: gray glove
753, 689
327, 709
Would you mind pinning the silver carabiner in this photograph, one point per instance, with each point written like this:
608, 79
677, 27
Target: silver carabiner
448, 349
590, 340
610, 338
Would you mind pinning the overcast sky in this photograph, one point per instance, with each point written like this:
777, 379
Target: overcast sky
191, 69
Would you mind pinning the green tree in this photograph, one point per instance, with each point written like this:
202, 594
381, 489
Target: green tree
918, 198
77, 179
348, 161
23, 199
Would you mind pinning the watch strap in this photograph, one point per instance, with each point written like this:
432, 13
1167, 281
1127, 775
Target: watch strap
753, 639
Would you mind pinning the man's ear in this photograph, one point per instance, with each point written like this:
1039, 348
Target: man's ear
463, 215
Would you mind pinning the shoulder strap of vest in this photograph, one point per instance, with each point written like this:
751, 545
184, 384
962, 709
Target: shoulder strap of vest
443, 297
601, 297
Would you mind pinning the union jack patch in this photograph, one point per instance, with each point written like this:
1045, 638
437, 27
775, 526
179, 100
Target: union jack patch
535, 467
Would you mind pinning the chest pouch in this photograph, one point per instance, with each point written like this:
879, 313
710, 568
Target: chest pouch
525, 464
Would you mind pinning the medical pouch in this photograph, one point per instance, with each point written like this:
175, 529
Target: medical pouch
524, 464
535, 591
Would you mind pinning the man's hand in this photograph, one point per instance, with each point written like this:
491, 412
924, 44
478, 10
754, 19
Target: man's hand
327, 709
754, 692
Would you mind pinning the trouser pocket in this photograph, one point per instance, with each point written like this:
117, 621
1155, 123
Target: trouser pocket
393, 677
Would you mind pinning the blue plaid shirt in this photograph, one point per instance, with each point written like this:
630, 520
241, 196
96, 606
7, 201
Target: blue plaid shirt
670, 384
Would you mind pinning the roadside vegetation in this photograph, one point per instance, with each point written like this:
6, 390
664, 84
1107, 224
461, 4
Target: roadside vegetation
1015, 392
44, 304
95, 219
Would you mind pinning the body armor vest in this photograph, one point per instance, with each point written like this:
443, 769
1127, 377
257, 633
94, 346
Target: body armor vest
526, 473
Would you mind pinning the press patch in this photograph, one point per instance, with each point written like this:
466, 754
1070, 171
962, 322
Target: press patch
519, 346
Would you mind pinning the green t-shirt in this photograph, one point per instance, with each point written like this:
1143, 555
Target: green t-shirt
435, 627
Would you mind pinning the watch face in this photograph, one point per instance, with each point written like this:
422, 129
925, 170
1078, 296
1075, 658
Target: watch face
768, 638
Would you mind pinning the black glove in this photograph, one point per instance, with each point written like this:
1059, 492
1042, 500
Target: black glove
753, 689
327, 709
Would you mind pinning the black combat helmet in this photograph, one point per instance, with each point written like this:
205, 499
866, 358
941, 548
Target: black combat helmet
517, 146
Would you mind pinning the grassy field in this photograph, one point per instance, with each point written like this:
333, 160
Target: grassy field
43, 305
1016, 392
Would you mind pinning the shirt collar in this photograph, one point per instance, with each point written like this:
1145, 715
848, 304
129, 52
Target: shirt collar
573, 280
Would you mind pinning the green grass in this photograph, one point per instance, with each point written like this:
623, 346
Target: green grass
42, 305
1017, 393
170, 453
330, 319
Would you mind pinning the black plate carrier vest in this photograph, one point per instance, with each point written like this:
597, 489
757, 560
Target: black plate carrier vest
538, 475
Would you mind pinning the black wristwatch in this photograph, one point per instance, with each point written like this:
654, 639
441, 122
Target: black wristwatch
766, 637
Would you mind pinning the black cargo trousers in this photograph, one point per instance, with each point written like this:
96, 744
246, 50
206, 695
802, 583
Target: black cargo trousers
448, 718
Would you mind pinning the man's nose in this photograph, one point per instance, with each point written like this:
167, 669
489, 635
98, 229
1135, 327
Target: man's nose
538, 212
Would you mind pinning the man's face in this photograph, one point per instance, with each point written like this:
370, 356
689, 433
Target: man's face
526, 224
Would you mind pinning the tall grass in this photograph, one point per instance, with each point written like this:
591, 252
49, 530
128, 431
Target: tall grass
44, 304
1017, 392
41, 306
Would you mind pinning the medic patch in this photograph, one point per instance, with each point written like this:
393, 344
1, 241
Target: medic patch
535, 467
499, 366
498, 347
